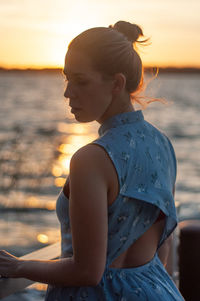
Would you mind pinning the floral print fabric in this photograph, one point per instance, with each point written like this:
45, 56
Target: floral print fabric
146, 167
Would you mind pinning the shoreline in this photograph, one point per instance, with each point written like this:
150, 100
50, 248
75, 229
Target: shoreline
148, 69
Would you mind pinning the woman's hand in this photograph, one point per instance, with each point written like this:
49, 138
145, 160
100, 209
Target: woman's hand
8, 264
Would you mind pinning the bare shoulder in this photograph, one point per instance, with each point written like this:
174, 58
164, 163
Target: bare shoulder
91, 163
90, 151
90, 156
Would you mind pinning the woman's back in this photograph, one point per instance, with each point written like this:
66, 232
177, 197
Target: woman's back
142, 250
133, 270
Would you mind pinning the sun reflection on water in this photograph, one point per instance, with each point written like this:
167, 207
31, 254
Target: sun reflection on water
43, 238
59, 182
34, 202
67, 148
73, 128
79, 136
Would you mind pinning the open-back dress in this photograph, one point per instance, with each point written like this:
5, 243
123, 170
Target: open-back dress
145, 163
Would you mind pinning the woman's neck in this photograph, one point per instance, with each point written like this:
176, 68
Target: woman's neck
117, 107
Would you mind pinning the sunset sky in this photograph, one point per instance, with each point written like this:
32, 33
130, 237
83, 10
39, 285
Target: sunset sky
35, 33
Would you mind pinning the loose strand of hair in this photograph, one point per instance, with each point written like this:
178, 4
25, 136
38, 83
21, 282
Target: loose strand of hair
143, 100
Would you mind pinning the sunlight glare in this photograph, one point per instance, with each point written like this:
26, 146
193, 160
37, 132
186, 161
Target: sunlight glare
43, 238
61, 166
64, 161
72, 128
51, 205
67, 148
38, 286
59, 182
80, 140
32, 202
57, 171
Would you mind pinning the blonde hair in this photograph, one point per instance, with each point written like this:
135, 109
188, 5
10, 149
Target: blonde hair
112, 50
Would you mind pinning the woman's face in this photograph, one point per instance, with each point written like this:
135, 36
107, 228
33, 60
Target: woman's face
89, 94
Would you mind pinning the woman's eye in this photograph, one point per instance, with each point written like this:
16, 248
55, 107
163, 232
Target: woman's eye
79, 81
76, 81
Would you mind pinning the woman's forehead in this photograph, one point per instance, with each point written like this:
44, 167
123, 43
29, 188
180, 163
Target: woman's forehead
77, 63
74, 58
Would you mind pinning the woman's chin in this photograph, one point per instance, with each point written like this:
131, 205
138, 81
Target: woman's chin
80, 118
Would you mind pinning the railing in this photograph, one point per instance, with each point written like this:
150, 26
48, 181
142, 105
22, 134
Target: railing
189, 263
9, 286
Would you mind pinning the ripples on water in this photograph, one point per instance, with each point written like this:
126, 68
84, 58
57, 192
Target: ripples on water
180, 121
38, 136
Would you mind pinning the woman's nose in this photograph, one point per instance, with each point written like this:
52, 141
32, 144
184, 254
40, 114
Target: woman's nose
68, 91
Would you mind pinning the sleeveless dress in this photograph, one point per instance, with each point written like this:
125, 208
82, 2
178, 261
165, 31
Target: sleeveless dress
146, 167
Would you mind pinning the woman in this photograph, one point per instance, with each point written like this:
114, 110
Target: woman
116, 208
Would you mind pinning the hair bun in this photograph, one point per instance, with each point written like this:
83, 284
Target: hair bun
131, 31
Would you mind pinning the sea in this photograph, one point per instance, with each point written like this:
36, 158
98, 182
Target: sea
38, 136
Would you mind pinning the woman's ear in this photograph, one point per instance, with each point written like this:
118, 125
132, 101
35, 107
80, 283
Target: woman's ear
119, 83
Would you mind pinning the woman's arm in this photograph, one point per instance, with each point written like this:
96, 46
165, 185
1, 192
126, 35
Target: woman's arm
88, 218
62, 272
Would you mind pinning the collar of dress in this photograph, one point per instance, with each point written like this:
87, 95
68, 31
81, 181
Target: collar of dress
120, 119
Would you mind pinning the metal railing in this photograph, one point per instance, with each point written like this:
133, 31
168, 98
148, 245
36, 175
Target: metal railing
9, 286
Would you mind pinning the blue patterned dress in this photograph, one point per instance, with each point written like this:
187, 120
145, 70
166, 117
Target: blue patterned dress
146, 167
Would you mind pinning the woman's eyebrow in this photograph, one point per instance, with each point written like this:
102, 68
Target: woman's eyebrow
73, 74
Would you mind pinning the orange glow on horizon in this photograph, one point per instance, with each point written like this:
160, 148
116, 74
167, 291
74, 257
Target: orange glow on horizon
36, 34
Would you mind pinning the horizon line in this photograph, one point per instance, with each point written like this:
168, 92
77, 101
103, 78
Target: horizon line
147, 68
